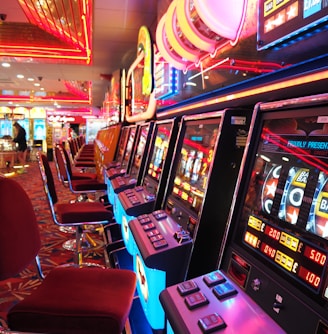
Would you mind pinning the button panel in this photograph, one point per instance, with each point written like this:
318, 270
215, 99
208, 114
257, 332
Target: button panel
149, 225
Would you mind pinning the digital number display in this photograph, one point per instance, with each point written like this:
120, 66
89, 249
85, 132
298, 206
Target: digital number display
268, 250
305, 262
272, 232
315, 255
309, 277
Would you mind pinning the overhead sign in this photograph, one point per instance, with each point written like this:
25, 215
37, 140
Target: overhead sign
284, 21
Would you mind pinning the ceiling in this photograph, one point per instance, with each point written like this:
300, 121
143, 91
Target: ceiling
114, 45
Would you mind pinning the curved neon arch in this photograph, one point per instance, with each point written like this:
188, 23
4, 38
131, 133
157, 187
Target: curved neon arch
201, 36
181, 45
165, 49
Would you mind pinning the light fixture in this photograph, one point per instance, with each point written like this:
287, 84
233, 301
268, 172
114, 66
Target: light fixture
5, 64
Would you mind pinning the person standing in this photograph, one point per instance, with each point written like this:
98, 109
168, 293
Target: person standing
20, 139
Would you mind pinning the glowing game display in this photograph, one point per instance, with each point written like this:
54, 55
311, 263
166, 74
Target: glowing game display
286, 206
195, 159
277, 248
161, 145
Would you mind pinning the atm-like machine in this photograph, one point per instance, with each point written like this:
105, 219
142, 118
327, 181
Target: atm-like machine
209, 147
272, 273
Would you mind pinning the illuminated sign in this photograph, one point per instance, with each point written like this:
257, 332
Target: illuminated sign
282, 21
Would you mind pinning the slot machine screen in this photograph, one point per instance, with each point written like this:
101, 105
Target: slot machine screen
194, 161
129, 147
122, 143
283, 219
140, 149
162, 134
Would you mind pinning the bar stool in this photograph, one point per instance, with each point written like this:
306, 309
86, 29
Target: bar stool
74, 174
79, 187
84, 164
70, 300
81, 215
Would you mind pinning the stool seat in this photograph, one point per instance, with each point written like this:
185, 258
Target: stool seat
57, 306
82, 212
88, 185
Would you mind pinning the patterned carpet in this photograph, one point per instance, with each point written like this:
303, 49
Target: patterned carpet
52, 253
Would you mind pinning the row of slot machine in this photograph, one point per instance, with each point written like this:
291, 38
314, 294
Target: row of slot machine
223, 217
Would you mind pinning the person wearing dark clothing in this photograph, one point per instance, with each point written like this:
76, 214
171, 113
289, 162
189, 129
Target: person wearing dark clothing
20, 139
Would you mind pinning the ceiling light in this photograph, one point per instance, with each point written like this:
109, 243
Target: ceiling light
37, 84
20, 76
5, 65
30, 79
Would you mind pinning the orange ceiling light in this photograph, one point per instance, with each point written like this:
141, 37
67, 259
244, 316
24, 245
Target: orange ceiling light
58, 29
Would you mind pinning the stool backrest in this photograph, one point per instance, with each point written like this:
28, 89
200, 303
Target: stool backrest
47, 179
61, 164
19, 232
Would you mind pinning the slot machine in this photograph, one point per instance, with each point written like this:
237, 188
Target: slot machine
124, 135
166, 238
272, 271
148, 195
127, 151
133, 176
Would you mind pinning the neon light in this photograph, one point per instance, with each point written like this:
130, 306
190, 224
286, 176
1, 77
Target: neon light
179, 43
165, 48
71, 24
186, 17
224, 20
302, 80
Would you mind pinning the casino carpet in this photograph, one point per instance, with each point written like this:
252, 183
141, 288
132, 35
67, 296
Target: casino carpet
52, 253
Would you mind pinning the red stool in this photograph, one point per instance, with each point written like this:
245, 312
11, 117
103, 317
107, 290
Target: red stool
86, 300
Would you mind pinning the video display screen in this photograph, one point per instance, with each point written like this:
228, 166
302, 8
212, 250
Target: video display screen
129, 147
39, 129
285, 210
194, 162
162, 134
122, 143
139, 150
